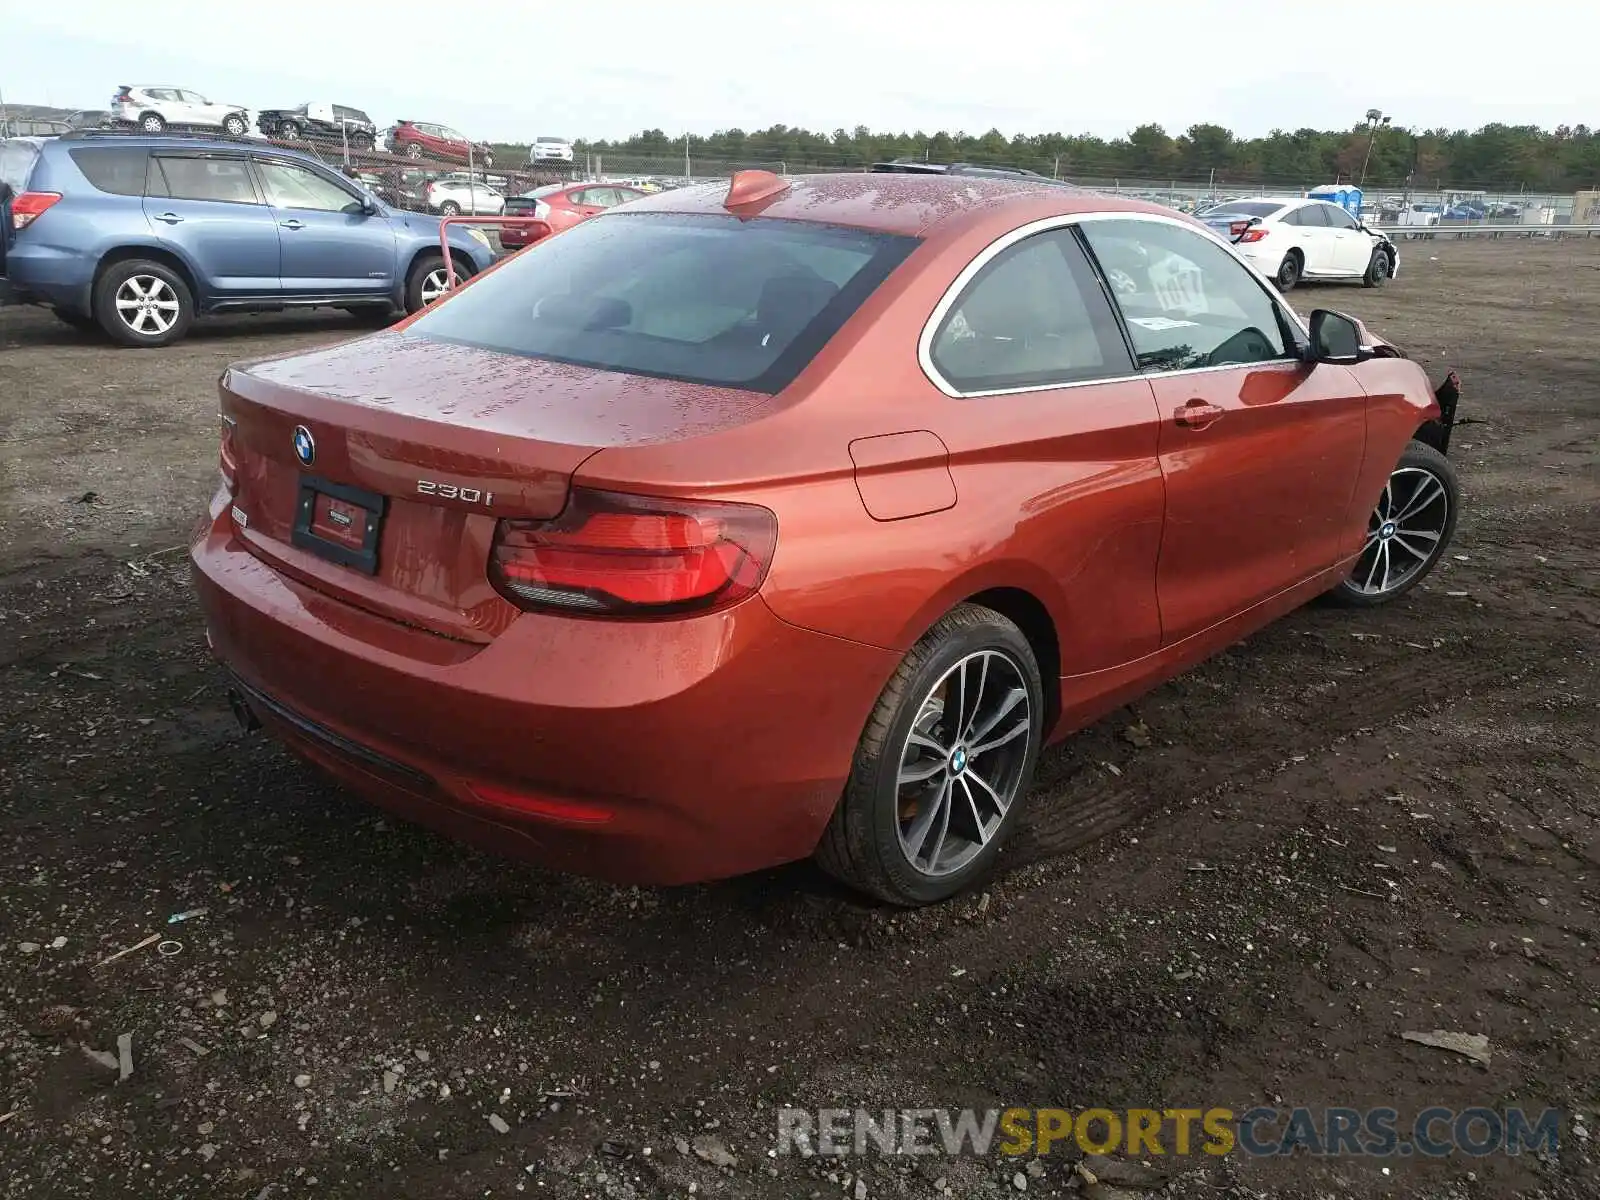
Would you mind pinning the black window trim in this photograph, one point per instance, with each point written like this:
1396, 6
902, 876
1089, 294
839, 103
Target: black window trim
157, 155
1295, 328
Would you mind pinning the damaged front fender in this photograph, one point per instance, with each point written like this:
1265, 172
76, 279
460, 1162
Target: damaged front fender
1436, 433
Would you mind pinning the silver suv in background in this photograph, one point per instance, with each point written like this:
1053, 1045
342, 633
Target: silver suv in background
152, 109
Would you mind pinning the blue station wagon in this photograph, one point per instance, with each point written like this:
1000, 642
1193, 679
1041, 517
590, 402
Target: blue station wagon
138, 235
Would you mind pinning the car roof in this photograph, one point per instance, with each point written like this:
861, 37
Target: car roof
892, 202
157, 141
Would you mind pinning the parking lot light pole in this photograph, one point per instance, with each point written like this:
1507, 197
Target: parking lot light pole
1375, 121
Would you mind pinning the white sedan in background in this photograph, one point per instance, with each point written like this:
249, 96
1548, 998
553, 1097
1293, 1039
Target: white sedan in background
1290, 238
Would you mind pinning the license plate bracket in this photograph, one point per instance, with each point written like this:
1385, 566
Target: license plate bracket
339, 522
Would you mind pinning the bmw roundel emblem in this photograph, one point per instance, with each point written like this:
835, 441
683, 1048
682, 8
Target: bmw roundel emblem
305, 446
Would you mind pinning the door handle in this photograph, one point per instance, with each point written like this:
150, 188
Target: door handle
170, 218
1197, 414
292, 224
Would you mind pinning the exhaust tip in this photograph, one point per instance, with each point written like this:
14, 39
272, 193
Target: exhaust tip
248, 721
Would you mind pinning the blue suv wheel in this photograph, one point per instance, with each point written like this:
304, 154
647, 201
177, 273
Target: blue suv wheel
140, 302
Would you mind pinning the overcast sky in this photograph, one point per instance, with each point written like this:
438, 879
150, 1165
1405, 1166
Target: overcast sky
607, 68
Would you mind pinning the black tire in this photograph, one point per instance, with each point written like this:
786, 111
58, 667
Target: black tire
289, 131
450, 209
414, 150
862, 844
487, 160
1417, 463
234, 125
430, 264
108, 315
77, 320
152, 123
361, 141
1289, 271
1377, 270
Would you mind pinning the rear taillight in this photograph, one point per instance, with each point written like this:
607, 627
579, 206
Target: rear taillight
610, 554
27, 207
1251, 235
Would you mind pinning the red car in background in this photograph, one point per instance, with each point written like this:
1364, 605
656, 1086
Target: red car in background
419, 140
560, 206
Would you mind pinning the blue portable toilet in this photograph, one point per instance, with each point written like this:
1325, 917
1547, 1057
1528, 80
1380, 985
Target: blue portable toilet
1346, 195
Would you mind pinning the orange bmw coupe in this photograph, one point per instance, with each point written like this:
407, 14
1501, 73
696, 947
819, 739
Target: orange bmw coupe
794, 516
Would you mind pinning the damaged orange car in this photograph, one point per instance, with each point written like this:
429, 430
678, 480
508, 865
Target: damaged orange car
795, 516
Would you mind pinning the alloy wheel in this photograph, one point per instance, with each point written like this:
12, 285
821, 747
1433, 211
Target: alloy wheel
147, 305
963, 762
1404, 533
435, 284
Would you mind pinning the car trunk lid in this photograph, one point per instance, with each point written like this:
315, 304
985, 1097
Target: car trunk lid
418, 447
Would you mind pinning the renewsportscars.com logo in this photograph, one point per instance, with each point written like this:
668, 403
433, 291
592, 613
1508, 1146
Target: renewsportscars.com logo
1144, 1132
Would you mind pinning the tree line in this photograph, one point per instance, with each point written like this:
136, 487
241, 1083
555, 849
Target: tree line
1495, 157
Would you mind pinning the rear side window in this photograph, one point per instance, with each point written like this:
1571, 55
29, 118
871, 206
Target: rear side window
113, 169
1313, 215
703, 299
16, 163
185, 177
1033, 317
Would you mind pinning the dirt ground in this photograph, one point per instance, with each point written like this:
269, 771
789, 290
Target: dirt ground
1348, 827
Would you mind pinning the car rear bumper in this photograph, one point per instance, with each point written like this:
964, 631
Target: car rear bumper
1263, 259
645, 752
40, 273
515, 237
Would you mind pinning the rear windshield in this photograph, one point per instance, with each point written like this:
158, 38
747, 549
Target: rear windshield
703, 299
1244, 208
16, 163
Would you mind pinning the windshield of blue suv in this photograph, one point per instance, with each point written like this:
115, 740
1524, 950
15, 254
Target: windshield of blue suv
702, 299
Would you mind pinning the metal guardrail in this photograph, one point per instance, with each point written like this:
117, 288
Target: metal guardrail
1464, 229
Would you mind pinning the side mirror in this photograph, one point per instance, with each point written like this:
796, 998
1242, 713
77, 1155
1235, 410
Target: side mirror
1336, 338
369, 206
